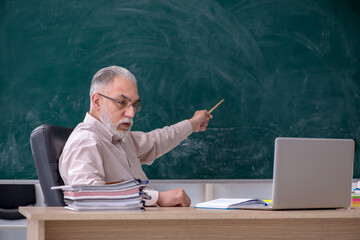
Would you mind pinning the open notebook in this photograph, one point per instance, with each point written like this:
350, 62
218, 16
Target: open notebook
233, 203
308, 173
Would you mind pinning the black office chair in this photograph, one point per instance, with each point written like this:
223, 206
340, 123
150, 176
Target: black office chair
47, 143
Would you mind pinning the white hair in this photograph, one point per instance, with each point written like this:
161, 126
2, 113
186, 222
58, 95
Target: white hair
106, 75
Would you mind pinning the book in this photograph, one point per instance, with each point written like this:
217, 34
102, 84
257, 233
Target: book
109, 204
356, 191
355, 198
108, 186
135, 207
122, 195
104, 194
233, 203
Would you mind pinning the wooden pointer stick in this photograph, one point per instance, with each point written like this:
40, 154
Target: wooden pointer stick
215, 107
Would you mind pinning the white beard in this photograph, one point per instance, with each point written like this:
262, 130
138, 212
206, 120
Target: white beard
105, 119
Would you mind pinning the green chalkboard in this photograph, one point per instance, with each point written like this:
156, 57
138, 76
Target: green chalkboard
284, 68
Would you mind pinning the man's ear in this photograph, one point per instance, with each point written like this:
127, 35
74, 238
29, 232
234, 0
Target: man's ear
95, 101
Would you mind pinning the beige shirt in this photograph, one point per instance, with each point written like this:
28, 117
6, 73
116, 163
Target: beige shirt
92, 155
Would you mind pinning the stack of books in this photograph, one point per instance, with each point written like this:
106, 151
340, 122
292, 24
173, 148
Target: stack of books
356, 196
123, 195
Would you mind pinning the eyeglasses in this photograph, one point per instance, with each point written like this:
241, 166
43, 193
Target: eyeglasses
124, 103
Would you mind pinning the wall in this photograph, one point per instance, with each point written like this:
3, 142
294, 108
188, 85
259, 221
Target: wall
284, 68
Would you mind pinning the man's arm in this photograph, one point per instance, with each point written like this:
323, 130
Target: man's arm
154, 144
178, 197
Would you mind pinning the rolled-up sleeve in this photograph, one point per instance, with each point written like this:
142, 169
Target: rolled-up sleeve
153, 197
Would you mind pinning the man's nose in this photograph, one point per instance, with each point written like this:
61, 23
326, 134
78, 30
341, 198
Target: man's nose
130, 111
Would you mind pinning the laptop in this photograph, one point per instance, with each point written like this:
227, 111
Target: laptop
312, 173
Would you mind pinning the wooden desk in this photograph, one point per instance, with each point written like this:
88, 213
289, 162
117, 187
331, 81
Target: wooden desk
184, 223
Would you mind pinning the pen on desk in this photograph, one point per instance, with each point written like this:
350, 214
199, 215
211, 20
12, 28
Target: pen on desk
214, 107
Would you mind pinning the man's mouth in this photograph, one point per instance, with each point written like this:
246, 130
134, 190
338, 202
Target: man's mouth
125, 125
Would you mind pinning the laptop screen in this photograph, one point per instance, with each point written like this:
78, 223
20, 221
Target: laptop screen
312, 173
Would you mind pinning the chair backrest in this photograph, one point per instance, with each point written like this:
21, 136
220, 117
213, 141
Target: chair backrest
47, 143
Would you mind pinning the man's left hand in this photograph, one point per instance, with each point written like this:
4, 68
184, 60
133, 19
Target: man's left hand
174, 198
